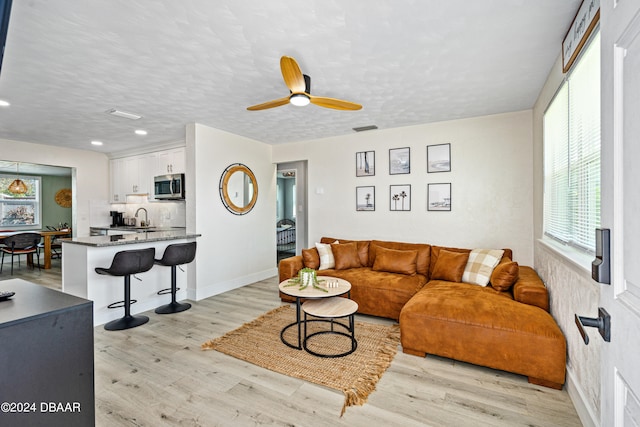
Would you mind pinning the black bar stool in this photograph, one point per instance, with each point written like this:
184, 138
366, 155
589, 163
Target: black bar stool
126, 263
173, 256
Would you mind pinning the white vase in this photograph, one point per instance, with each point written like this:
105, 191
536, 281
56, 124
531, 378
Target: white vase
307, 279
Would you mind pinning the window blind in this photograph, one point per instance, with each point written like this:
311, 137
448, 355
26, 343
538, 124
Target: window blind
572, 155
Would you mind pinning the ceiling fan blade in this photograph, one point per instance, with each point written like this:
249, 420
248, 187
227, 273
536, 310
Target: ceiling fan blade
336, 104
269, 104
292, 75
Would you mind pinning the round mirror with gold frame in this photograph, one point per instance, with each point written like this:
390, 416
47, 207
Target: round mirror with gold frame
238, 189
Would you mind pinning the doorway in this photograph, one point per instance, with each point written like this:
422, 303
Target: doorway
46, 205
291, 212
47, 201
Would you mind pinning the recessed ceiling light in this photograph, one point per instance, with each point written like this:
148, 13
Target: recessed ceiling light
96, 142
4, 103
141, 132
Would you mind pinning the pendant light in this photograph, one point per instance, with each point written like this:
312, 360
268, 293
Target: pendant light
17, 186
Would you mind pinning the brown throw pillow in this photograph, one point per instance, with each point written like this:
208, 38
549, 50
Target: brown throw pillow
310, 258
395, 261
450, 266
505, 274
346, 255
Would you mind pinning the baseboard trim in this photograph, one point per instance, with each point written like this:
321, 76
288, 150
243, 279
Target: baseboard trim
220, 287
584, 410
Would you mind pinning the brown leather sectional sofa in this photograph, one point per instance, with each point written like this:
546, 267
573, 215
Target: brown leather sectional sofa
505, 325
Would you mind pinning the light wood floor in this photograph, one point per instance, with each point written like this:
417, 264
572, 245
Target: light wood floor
156, 375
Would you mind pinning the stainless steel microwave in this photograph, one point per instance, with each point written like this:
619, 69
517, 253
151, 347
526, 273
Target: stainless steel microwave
169, 187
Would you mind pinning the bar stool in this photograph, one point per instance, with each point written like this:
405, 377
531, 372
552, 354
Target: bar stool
173, 256
126, 263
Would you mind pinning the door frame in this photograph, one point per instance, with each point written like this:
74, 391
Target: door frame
300, 168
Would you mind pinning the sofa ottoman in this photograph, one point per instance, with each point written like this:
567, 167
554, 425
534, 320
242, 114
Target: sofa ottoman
483, 326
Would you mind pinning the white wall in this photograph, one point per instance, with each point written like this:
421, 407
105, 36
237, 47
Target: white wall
234, 250
92, 173
491, 176
570, 285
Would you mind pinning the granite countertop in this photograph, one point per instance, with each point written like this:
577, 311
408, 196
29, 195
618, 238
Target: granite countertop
132, 238
138, 228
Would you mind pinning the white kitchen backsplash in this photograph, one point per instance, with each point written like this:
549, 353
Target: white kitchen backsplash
161, 214
99, 213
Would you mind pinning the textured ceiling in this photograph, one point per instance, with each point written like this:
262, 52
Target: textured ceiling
175, 62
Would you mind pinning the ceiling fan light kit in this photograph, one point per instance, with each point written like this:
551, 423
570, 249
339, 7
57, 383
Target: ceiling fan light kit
299, 99
300, 87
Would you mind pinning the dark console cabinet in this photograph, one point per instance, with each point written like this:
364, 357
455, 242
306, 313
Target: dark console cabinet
46, 354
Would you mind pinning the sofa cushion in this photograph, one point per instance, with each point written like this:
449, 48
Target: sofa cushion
326, 256
505, 274
480, 265
345, 255
450, 266
435, 252
395, 261
379, 293
529, 289
311, 258
363, 248
424, 253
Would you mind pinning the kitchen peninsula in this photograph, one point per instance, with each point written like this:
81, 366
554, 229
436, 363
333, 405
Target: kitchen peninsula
83, 254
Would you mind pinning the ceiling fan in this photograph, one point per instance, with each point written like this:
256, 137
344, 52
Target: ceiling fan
300, 87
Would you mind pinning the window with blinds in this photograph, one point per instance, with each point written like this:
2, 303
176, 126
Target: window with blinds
572, 155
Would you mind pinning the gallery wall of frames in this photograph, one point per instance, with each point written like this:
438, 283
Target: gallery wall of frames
398, 197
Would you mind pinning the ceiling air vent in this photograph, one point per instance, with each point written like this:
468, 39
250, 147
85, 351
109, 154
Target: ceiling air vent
124, 114
363, 128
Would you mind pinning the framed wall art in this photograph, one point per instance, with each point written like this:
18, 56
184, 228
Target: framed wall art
365, 163
439, 158
439, 197
400, 197
366, 198
399, 161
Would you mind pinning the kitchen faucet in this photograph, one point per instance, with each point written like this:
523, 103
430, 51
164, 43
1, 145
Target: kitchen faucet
144, 223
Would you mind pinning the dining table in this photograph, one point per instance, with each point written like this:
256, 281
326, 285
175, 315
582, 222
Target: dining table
47, 238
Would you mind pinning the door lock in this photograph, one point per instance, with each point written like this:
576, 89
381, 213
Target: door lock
602, 322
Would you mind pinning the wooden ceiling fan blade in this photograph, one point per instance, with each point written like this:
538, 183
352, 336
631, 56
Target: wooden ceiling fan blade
269, 104
336, 104
292, 75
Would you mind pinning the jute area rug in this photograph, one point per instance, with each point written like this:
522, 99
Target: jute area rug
356, 375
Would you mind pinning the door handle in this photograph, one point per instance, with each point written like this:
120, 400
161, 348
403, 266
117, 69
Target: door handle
602, 322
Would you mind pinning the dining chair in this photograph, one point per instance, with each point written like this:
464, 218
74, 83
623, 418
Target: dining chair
56, 246
20, 244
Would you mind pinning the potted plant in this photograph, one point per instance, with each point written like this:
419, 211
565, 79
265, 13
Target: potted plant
307, 276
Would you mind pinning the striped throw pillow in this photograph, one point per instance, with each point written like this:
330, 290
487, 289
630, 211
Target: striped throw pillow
480, 265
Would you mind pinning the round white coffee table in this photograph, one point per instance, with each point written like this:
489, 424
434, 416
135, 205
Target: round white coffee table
330, 287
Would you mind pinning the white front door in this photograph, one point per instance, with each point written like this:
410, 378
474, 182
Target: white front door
620, 373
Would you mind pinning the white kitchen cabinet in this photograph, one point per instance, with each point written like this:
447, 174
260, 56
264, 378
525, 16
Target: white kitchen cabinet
134, 174
116, 167
171, 161
130, 172
142, 177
